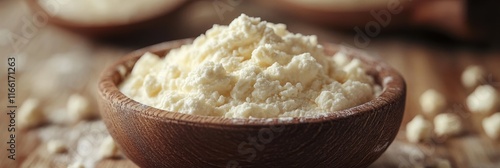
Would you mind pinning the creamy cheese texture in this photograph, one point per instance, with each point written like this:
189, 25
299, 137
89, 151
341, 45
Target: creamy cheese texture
250, 69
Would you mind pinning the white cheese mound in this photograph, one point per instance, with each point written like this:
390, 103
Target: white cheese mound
250, 69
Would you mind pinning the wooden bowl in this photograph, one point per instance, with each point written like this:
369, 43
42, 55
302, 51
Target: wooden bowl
109, 29
150, 137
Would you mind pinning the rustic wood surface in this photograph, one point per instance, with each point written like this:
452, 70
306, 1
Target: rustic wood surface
52, 63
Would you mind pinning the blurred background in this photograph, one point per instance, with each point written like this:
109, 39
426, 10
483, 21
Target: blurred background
61, 46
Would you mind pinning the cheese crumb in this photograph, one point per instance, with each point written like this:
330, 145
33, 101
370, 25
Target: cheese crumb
30, 114
447, 124
472, 76
78, 108
99, 12
250, 69
432, 102
483, 100
56, 146
108, 148
491, 126
418, 129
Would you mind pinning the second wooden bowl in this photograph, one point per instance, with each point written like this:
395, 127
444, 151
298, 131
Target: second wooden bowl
353, 137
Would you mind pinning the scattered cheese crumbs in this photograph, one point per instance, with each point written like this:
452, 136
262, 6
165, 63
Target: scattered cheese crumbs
78, 107
77, 164
30, 114
483, 100
56, 146
340, 4
432, 102
491, 126
417, 166
418, 129
122, 70
472, 76
108, 148
250, 69
447, 124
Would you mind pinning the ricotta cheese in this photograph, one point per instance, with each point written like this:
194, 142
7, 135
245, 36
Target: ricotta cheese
432, 102
31, 114
491, 126
56, 146
78, 108
483, 100
250, 69
472, 76
447, 124
108, 148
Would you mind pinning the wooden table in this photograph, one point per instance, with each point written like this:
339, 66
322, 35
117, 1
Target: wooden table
52, 63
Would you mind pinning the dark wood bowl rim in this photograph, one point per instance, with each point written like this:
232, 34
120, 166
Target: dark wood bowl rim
393, 91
